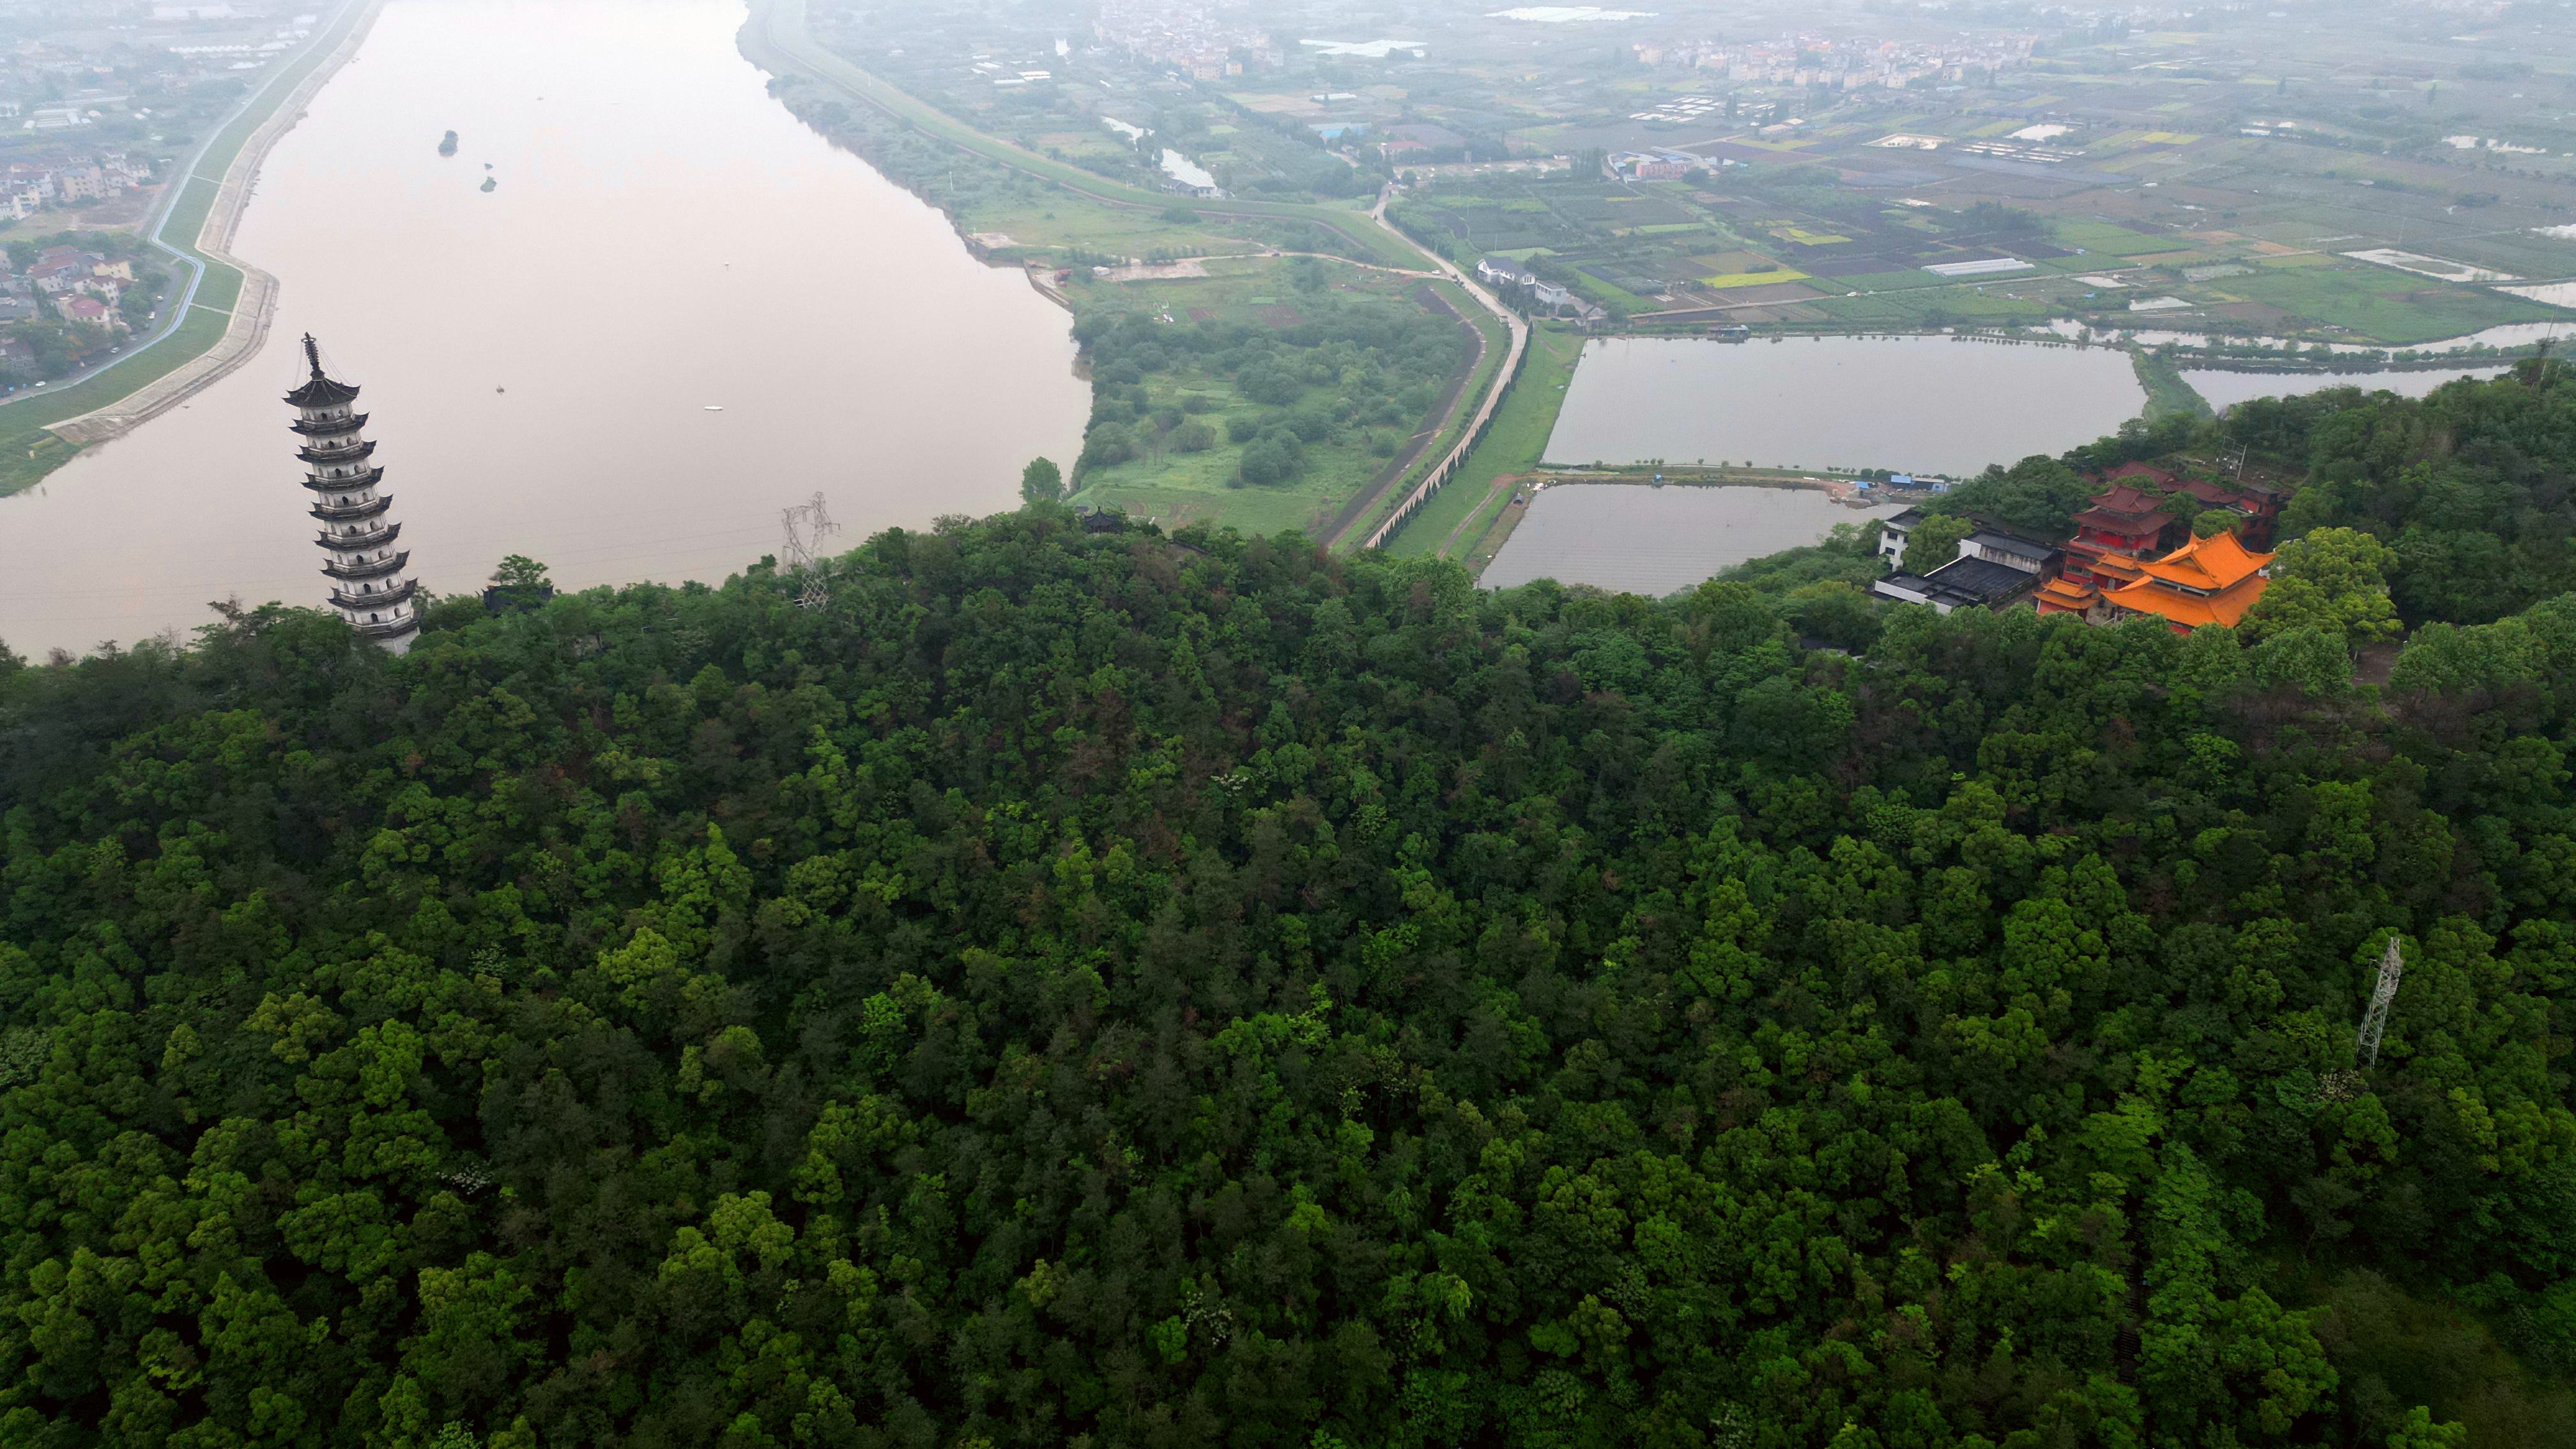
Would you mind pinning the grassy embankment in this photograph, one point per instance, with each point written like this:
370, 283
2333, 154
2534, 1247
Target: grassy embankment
2167, 393
1053, 211
776, 36
27, 451
1459, 516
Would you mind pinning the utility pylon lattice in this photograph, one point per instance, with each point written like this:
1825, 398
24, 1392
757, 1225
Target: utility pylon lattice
2365, 1047
807, 525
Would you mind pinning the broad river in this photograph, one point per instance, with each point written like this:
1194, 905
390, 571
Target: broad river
540, 359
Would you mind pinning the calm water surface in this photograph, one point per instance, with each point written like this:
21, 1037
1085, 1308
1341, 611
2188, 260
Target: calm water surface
2226, 389
1642, 540
1923, 404
664, 238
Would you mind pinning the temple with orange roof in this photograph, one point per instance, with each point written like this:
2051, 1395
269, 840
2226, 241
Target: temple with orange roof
2122, 524
2211, 580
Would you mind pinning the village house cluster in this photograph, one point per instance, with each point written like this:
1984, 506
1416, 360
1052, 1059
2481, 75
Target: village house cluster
2130, 558
81, 287
1849, 64
1518, 283
33, 186
1194, 40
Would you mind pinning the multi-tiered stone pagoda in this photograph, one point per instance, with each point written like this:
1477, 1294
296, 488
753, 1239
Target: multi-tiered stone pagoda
372, 585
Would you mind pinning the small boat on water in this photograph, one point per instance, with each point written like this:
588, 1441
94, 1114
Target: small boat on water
447, 146
711, 407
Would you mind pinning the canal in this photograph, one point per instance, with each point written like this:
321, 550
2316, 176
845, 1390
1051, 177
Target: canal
541, 360
2223, 389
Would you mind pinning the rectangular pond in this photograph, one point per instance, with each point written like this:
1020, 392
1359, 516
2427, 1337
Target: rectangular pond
1639, 539
1921, 404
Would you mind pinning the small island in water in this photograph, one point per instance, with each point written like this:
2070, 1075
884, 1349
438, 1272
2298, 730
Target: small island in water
447, 145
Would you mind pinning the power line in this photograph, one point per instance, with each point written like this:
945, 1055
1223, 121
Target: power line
807, 525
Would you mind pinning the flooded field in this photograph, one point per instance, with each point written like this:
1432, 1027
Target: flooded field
1932, 404
1644, 540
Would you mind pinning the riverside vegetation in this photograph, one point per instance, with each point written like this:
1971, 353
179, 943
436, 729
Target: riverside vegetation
1126, 988
1306, 395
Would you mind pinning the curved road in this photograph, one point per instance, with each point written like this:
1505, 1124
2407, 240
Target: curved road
1493, 393
173, 188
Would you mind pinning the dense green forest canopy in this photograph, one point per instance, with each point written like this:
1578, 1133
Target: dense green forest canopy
1109, 988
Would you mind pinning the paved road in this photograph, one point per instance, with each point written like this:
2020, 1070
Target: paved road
171, 191
1493, 393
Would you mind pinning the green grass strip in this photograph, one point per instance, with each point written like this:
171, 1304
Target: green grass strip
27, 451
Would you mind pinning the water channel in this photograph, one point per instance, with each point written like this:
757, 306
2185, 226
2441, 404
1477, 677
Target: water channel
1639, 539
1923, 404
540, 360
2223, 389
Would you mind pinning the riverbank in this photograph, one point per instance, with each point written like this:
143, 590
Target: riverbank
222, 318
516, 417
1031, 209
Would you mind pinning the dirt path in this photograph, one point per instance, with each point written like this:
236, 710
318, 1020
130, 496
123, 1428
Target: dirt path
1504, 484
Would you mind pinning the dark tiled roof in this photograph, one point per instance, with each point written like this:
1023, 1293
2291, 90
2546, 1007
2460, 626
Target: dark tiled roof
1979, 580
321, 392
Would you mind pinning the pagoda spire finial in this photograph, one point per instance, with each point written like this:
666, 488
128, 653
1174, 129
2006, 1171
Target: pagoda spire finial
313, 354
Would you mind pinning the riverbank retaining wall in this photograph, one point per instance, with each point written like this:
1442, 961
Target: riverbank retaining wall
255, 305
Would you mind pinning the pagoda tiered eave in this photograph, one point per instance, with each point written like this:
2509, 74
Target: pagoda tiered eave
329, 427
337, 485
372, 568
399, 594
352, 512
355, 542
364, 448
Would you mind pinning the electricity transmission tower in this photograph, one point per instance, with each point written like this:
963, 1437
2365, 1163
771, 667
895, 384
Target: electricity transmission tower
2365, 1047
807, 525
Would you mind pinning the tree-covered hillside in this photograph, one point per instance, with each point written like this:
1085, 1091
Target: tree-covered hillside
1103, 988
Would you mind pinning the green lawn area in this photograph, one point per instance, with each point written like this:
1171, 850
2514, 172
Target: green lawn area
1885, 282
2102, 236
1936, 305
1514, 444
1179, 487
2382, 304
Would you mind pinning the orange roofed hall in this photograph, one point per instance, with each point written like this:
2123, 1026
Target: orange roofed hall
2211, 580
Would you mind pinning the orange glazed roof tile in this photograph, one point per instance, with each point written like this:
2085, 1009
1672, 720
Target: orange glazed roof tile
2068, 594
2225, 580
2185, 610
2213, 563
